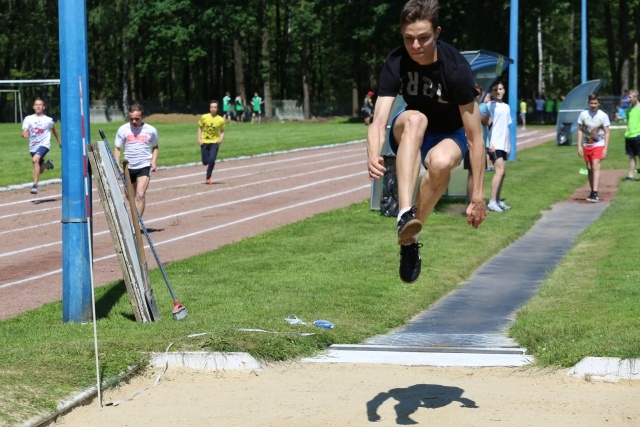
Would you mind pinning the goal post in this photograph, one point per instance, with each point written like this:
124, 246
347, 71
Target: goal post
15, 88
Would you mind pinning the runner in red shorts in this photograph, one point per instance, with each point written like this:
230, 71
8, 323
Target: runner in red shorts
593, 140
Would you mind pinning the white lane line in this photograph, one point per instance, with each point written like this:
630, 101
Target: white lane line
249, 184
205, 208
36, 211
99, 212
229, 224
269, 163
548, 135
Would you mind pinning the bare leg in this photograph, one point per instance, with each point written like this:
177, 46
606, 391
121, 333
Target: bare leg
595, 166
498, 179
409, 132
440, 161
37, 168
632, 166
140, 188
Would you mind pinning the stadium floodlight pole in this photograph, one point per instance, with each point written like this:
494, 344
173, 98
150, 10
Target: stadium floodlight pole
76, 280
583, 37
513, 79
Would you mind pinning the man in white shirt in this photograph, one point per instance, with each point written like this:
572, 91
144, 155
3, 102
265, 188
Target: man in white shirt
499, 144
593, 140
140, 143
38, 128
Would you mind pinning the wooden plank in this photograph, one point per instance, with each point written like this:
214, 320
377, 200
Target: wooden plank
120, 227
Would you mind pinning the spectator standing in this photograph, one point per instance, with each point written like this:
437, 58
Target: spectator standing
523, 113
239, 107
549, 110
632, 135
593, 140
625, 99
38, 128
440, 122
540, 104
256, 103
210, 135
140, 143
367, 108
499, 144
226, 107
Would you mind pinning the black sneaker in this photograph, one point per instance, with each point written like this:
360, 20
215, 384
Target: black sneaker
48, 164
593, 198
408, 227
410, 262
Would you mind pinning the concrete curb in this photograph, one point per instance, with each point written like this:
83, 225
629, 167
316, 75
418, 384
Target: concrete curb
472, 358
608, 369
234, 361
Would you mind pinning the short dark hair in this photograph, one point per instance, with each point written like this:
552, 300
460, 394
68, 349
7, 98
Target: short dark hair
496, 83
214, 101
419, 10
136, 107
594, 96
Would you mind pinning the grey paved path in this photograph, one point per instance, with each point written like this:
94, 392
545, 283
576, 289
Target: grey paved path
478, 314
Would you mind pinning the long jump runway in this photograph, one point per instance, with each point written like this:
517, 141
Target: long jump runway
186, 216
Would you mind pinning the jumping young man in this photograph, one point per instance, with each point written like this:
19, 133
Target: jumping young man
38, 128
593, 140
440, 122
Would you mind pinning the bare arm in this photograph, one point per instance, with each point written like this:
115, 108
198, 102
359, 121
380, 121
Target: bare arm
477, 210
154, 158
221, 137
375, 137
116, 154
199, 135
606, 142
580, 150
25, 133
55, 133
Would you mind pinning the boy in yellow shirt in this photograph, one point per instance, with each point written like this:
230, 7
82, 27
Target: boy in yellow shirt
210, 136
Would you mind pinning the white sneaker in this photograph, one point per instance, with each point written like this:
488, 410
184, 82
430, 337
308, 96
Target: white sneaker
503, 206
494, 207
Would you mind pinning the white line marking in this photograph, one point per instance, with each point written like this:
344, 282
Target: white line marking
274, 211
192, 211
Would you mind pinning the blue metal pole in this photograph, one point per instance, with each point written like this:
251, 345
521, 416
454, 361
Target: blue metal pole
583, 37
76, 280
513, 78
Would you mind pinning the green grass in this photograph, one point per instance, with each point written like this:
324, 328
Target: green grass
178, 144
587, 307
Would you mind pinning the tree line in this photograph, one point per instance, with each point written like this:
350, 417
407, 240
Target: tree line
185, 52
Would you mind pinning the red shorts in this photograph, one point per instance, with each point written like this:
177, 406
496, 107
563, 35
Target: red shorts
593, 153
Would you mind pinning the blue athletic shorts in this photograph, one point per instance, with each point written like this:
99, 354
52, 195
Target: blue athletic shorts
431, 139
42, 151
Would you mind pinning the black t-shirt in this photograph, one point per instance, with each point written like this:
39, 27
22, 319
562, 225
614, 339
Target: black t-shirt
436, 89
